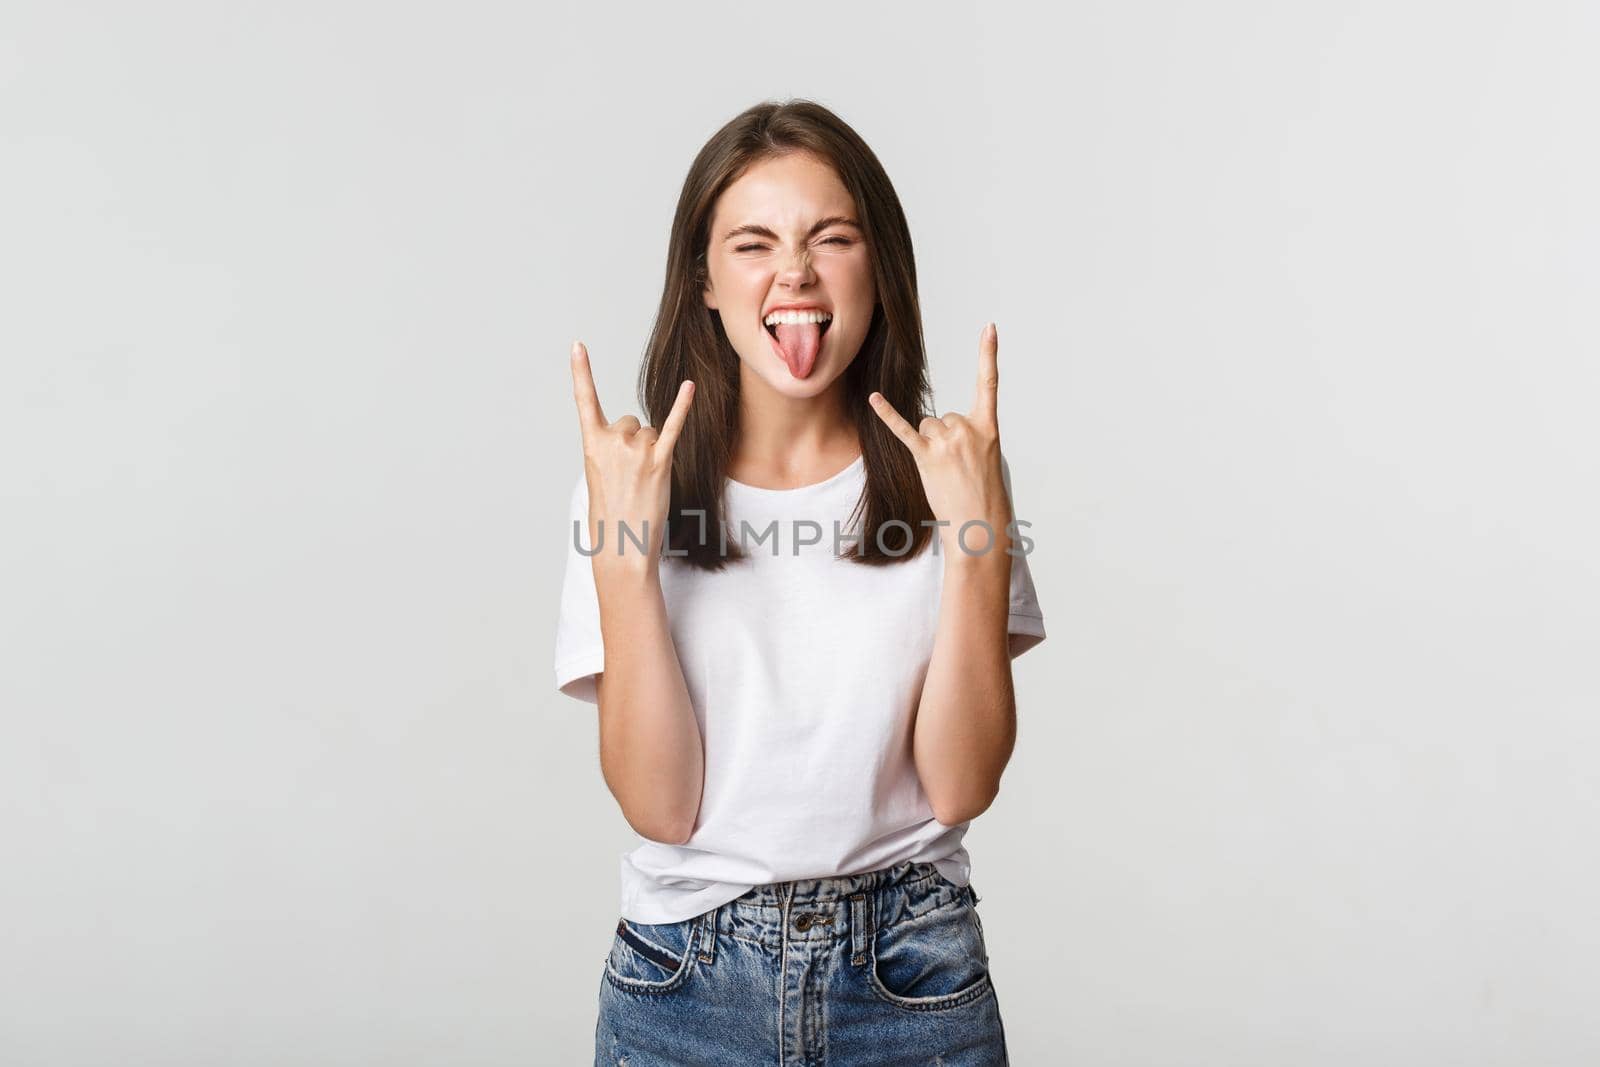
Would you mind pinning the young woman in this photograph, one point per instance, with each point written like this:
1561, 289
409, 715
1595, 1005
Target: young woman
796, 605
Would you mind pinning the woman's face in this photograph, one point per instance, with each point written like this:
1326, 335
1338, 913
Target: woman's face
784, 233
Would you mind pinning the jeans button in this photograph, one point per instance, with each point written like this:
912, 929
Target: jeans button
803, 922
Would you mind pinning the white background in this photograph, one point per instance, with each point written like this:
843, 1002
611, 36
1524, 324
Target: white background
1298, 364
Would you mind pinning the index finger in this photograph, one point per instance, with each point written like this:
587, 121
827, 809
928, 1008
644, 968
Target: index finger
590, 417
675, 419
908, 434
986, 400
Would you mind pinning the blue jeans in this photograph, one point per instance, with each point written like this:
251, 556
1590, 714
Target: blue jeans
883, 968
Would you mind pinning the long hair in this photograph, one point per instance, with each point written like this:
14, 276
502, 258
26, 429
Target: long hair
688, 341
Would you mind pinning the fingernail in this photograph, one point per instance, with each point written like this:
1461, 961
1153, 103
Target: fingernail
574, 348
989, 329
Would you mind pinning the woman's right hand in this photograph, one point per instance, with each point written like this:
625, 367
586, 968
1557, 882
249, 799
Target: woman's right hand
628, 468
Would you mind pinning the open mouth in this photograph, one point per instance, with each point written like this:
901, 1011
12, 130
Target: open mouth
772, 331
799, 348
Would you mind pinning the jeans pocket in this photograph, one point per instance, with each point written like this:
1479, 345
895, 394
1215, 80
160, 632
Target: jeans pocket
932, 961
652, 957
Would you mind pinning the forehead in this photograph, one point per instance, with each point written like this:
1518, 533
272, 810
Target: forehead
787, 192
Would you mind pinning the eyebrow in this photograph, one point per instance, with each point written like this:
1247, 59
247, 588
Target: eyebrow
762, 231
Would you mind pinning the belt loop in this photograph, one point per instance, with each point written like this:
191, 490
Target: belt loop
708, 935
859, 934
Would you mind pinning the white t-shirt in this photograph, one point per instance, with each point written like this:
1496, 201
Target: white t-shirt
805, 672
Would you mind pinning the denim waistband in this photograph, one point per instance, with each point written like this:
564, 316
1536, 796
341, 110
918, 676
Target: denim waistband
839, 887
827, 909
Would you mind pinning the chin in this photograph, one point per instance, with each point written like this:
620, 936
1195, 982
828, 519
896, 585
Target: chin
810, 385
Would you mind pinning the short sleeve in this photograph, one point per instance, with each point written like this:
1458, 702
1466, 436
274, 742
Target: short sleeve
580, 654
1025, 623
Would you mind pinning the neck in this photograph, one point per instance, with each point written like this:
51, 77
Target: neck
785, 441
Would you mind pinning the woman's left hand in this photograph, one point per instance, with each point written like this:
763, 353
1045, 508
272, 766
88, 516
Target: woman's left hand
958, 457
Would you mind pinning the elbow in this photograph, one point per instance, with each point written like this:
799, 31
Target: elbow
674, 834
959, 801
960, 813
964, 809
662, 831
650, 818
956, 817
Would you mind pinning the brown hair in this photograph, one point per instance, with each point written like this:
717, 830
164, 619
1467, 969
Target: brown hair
688, 341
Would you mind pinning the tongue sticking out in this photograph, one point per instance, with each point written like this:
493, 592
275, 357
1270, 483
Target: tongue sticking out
799, 342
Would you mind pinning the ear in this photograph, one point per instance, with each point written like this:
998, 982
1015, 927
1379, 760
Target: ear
707, 294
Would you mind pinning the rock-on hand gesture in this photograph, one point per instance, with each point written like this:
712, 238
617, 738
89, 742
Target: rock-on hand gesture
628, 468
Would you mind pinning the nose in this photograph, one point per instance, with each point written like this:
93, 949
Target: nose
795, 271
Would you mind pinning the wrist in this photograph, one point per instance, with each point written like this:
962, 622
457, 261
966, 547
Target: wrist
631, 569
977, 545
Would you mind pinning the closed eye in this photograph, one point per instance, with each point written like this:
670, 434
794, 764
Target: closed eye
753, 247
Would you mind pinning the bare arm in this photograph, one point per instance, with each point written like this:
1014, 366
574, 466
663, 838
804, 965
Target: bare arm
966, 725
966, 722
651, 753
